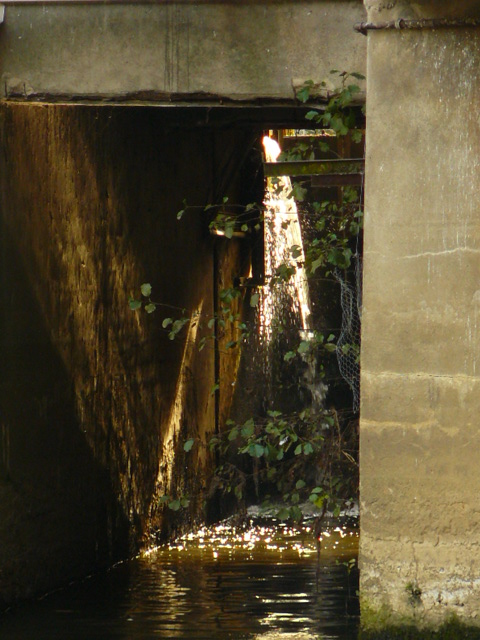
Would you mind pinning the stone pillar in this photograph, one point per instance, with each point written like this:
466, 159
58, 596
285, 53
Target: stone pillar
420, 413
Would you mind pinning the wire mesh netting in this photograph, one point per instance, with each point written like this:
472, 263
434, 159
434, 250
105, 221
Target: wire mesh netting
348, 344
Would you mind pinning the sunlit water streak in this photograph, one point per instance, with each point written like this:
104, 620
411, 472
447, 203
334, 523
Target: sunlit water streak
282, 232
257, 582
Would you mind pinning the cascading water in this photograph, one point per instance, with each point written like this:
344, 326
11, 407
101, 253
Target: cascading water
284, 305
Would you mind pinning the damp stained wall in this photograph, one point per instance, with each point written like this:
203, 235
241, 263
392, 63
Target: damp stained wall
95, 401
420, 436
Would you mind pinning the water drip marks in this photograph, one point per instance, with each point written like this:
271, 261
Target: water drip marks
424, 23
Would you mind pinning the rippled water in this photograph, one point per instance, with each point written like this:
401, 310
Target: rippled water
260, 581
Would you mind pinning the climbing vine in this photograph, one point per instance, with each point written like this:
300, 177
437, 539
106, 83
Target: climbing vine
307, 456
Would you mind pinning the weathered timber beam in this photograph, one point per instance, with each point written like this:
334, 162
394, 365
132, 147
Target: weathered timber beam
313, 167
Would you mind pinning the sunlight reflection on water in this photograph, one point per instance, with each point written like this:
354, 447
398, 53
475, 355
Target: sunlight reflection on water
255, 582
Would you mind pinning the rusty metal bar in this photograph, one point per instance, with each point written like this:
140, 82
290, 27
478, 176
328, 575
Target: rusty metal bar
423, 23
313, 167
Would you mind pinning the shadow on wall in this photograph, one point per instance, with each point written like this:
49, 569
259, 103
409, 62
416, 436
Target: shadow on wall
58, 514
95, 400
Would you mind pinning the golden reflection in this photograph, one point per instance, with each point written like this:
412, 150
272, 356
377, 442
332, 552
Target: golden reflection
174, 422
285, 635
259, 542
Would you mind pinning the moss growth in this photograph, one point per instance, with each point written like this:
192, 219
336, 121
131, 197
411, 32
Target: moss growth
452, 629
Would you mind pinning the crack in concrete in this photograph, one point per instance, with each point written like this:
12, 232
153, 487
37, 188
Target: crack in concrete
429, 254
453, 377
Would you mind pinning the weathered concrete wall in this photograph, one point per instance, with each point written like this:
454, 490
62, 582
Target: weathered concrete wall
420, 477
178, 50
95, 400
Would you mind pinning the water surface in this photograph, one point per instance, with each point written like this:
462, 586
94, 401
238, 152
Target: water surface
257, 581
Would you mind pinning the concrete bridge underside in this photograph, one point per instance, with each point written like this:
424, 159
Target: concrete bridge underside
167, 52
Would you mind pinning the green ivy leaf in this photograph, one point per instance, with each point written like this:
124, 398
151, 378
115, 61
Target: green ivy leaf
134, 304
233, 434
303, 347
256, 450
296, 514
303, 94
357, 136
150, 308
229, 229
312, 115
340, 257
254, 298
317, 500
146, 289
177, 326
189, 444
316, 264
248, 428
182, 211
295, 251
283, 513
298, 192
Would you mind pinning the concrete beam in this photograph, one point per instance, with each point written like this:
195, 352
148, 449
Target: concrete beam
169, 53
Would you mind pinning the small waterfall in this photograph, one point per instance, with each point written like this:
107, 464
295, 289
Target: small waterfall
286, 305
